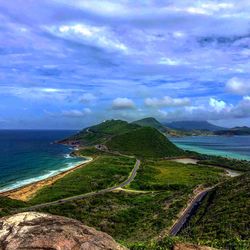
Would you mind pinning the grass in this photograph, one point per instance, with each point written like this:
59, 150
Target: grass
144, 142
7, 205
105, 171
170, 175
223, 219
100, 133
130, 218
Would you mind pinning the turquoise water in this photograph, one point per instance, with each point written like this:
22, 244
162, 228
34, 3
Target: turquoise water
28, 156
237, 147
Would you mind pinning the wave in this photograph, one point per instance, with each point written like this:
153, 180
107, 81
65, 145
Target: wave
48, 174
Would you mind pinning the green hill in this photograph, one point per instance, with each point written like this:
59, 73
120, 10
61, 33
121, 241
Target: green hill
224, 218
150, 122
145, 142
100, 133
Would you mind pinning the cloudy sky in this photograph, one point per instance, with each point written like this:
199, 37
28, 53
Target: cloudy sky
71, 63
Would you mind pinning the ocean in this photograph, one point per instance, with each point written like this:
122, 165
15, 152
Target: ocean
27, 156
234, 147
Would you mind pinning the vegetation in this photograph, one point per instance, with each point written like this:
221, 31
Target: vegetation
223, 219
144, 142
131, 218
240, 165
105, 171
170, 175
151, 122
100, 133
7, 205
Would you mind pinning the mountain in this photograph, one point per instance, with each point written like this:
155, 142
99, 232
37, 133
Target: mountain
145, 142
150, 122
99, 133
193, 125
223, 216
234, 131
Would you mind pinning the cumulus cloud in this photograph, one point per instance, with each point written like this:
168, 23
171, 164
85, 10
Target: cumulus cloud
166, 101
217, 105
238, 86
122, 103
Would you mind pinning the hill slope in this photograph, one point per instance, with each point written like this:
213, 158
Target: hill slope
234, 131
146, 142
100, 133
193, 125
224, 215
150, 122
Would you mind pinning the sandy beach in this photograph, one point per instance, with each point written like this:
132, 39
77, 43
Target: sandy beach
26, 192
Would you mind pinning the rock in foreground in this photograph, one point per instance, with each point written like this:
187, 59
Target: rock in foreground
33, 230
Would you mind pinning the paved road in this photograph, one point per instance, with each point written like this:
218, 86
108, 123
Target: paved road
188, 213
78, 197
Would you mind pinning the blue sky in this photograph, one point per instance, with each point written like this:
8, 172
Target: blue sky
71, 63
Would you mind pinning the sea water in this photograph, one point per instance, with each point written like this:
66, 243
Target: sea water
27, 156
228, 146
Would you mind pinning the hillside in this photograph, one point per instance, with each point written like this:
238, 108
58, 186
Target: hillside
234, 131
145, 142
150, 122
224, 215
193, 125
100, 133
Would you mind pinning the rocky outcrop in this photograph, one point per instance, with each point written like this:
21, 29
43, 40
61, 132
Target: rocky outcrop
185, 246
31, 230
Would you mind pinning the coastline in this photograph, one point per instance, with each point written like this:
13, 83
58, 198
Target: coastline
26, 192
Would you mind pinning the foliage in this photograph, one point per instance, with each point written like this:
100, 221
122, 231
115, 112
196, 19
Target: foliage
127, 216
100, 133
103, 172
144, 142
223, 219
151, 122
7, 205
170, 175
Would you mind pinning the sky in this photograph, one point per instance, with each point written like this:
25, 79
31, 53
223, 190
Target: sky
67, 64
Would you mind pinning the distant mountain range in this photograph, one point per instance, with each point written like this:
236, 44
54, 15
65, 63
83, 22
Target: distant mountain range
193, 125
234, 131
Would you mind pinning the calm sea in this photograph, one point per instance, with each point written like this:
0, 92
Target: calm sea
30, 155
234, 147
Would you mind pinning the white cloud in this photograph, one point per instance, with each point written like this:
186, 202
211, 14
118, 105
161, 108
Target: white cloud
167, 101
93, 35
123, 103
238, 86
77, 113
217, 105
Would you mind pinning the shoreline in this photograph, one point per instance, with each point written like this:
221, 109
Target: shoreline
26, 192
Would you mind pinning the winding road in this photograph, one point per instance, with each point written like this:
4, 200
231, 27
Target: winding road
78, 197
175, 229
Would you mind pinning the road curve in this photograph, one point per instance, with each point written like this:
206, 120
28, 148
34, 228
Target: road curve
78, 197
175, 229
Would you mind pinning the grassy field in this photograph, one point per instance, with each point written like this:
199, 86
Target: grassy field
128, 217
103, 172
223, 219
169, 175
144, 142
